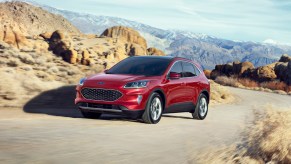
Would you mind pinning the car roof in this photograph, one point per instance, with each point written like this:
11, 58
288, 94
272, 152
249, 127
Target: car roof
155, 57
168, 58
165, 57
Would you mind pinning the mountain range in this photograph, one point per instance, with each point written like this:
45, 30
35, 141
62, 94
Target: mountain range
207, 50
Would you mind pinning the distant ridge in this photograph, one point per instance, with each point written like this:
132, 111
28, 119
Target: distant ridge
208, 50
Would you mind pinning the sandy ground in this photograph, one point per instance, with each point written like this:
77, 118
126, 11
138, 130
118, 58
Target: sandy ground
55, 132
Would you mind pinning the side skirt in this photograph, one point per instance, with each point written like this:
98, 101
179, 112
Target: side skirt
180, 107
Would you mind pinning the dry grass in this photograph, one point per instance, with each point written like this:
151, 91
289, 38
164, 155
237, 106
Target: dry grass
219, 94
276, 85
267, 140
246, 83
228, 81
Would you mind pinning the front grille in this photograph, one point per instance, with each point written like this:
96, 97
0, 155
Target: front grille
100, 94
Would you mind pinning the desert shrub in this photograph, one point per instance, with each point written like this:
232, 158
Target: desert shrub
276, 85
26, 68
228, 81
41, 60
53, 70
26, 58
248, 82
267, 140
13, 62
219, 94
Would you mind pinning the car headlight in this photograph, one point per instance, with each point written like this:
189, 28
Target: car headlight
81, 82
137, 84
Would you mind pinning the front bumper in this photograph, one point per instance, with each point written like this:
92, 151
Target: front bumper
127, 104
110, 109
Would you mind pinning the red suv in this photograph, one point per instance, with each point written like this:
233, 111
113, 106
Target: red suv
146, 87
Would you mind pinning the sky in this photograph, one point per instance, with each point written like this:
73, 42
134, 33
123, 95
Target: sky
243, 20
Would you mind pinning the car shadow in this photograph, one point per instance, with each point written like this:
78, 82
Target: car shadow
181, 117
60, 102
56, 102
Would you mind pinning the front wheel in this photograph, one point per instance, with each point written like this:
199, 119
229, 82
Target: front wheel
154, 109
201, 108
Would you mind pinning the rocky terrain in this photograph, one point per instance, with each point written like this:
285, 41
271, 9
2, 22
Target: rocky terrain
30, 20
207, 50
275, 76
40, 51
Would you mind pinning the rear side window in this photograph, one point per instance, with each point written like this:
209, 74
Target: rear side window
177, 68
188, 69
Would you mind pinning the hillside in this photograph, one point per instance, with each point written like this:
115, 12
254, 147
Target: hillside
49, 52
30, 20
207, 50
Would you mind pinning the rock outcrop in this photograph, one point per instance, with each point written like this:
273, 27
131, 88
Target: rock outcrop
288, 74
281, 70
207, 73
61, 45
229, 69
155, 51
136, 44
12, 37
239, 68
263, 73
285, 58
30, 20
125, 33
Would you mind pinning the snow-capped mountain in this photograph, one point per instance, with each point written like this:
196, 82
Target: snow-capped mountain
207, 50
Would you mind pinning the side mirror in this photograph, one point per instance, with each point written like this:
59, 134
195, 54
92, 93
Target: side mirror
106, 70
174, 75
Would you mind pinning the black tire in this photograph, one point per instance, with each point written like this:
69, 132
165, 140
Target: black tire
197, 114
147, 115
91, 115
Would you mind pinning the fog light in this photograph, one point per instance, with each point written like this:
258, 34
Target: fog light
139, 98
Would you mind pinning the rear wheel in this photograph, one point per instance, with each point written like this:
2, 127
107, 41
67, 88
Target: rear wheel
201, 108
91, 115
154, 109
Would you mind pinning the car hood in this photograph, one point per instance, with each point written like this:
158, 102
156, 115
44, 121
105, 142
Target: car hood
115, 78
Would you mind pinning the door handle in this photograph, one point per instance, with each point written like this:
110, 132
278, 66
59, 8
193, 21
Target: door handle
183, 83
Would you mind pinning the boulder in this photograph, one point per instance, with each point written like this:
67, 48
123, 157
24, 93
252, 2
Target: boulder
71, 56
239, 68
126, 34
60, 44
207, 73
281, 70
9, 36
155, 51
285, 58
215, 73
13, 37
260, 74
224, 69
46, 35
85, 58
57, 36
288, 74
135, 50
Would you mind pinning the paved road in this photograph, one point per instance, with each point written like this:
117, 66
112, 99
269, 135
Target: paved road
55, 132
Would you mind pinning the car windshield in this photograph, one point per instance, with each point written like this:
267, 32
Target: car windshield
147, 66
